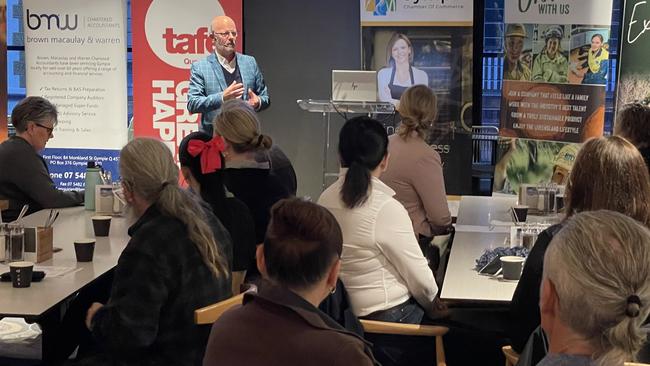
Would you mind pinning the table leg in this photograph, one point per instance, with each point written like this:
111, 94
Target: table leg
50, 323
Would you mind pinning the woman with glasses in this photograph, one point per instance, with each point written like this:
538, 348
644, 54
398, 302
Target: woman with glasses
24, 176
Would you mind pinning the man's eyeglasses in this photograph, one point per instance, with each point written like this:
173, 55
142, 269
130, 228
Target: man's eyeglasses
226, 34
49, 129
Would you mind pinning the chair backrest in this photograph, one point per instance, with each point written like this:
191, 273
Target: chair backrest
211, 313
636, 364
378, 327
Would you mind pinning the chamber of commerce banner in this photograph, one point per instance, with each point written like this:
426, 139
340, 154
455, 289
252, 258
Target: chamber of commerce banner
75, 56
555, 68
634, 54
3, 66
426, 42
167, 38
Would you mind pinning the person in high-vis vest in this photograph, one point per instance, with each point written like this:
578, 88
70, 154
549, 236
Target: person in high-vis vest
597, 62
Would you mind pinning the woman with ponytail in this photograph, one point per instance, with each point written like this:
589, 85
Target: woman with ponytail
202, 165
415, 169
382, 267
171, 266
595, 291
247, 178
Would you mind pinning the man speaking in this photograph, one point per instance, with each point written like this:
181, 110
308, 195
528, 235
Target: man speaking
224, 75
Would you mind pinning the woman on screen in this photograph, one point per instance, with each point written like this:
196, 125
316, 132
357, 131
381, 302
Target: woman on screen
398, 75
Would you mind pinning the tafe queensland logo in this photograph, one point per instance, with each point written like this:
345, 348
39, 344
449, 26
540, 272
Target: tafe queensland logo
179, 35
51, 21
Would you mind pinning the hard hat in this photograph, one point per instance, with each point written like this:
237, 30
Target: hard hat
554, 31
566, 156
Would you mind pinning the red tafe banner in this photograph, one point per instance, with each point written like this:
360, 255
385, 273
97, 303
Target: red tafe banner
168, 37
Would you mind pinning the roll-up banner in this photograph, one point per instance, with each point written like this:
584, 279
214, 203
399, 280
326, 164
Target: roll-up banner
167, 39
633, 65
426, 42
555, 68
3, 66
75, 56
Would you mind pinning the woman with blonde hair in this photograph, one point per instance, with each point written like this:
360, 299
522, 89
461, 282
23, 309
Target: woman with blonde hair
608, 174
171, 266
399, 74
415, 169
247, 178
595, 292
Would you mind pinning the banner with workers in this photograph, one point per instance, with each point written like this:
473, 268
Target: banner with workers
555, 68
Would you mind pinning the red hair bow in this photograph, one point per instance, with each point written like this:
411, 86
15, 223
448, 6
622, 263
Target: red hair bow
210, 153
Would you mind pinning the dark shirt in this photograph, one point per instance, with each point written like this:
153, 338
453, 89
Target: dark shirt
524, 308
232, 76
240, 225
25, 179
281, 167
259, 190
160, 279
287, 330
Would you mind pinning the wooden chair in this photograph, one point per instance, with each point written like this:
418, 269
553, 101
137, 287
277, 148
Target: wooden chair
211, 313
377, 327
512, 357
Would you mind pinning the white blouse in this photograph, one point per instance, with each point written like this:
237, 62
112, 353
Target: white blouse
382, 264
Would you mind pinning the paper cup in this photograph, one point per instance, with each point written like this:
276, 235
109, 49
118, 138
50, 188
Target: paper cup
21, 273
84, 249
101, 225
521, 212
512, 266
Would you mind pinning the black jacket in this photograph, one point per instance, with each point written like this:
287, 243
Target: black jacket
160, 279
25, 179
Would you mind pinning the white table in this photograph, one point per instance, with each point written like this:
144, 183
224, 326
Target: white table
462, 281
483, 223
41, 302
72, 224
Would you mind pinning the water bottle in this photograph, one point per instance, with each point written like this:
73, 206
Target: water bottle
92, 179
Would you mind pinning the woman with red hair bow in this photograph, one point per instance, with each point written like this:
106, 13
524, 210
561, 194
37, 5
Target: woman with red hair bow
202, 165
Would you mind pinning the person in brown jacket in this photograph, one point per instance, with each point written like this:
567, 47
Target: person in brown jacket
280, 324
414, 168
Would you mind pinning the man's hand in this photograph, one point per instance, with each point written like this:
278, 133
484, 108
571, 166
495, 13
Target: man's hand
91, 313
235, 90
253, 99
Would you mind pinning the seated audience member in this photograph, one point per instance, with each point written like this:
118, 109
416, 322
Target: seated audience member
202, 166
608, 174
382, 266
595, 291
249, 180
300, 264
633, 123
171, 266
24, 176
414, 168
